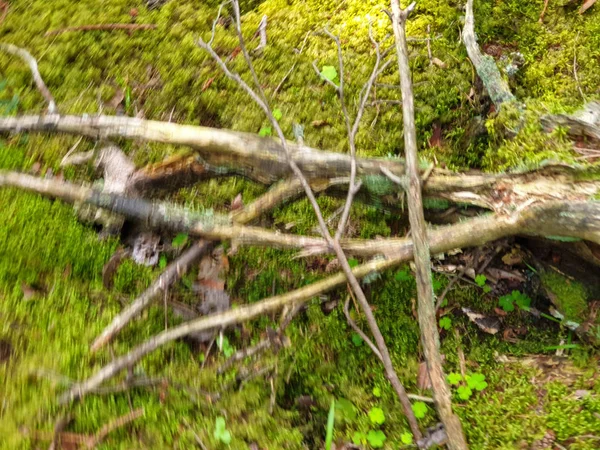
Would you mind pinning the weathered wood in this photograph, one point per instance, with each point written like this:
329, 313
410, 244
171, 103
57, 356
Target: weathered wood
224, 153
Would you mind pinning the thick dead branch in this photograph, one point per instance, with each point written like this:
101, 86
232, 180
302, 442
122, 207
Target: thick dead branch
430, 338
583, 123
33, 66
224, 153
484, 64
535, 220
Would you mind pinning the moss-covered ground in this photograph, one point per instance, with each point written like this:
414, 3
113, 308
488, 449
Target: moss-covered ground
45, 336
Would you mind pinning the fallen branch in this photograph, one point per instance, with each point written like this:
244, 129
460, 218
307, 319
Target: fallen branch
430, 338
173, 272
229, 153
178, 268
103, 27
558, 218
33, 66
485, 65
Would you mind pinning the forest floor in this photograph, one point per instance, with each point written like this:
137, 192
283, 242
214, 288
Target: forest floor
533, 384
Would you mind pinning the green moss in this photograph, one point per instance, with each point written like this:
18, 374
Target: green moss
570, 297
169, 77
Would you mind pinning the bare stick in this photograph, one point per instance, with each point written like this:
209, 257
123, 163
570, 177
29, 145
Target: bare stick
427, 318
104, 27
33, 66
111, 426
484, 64
575, 75
173, 272
543, 13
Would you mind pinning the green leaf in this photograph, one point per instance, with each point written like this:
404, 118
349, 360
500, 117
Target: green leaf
377, 391
436, 284
226, 437
352, 262
359, 438
406, 438
464, 392
219, 425
476, 381
376, 438
506, 303
277, 114
522, 300
480, 280
265, 131
454, 378
179, 240
487, 289
420, 409
445, 323
357, 340
328, 73
376, 415
403, 275
162, 262
330, 422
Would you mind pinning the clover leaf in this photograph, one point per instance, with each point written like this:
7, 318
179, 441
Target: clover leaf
376, 415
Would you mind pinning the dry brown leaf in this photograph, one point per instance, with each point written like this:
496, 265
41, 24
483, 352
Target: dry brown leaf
117, 99
586, 5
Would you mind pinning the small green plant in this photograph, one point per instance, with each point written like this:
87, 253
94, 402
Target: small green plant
377, 416
221, 433
180, 240
329, 73
445, 323
472, 382
356, 339
352, 262
508, 302
265, 131
420, 409
404, 275
225, 346
277, 114
376, 438
480, 280
330, 423
406, 438
377, 391
162, 262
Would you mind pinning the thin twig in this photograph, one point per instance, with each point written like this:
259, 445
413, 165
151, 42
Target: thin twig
289, 72
113, 425
360, 332
427, 316
541, 19
33, 66
104, 27
576, 76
